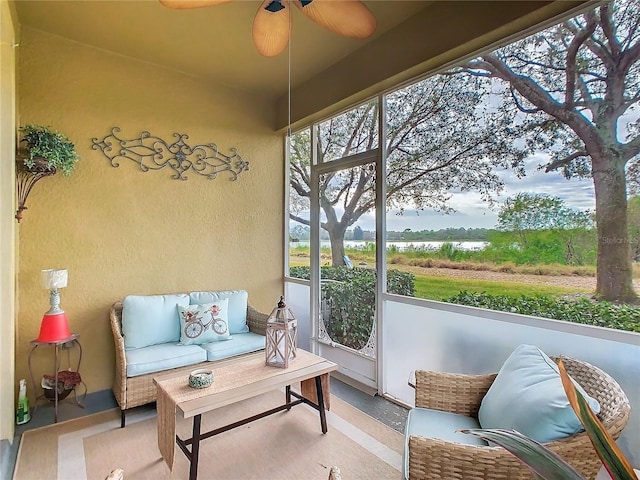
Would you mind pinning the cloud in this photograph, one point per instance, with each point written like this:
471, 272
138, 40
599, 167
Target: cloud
473, 212
576, 192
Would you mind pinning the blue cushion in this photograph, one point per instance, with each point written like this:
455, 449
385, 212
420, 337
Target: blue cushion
157, 358
151, 319
441, 425
237, 306
204, 323
527, 395
239, 344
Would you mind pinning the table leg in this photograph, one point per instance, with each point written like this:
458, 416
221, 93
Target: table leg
308, 390
33, 381
288, 396
195, 448
55, 387
75, 387
323, 414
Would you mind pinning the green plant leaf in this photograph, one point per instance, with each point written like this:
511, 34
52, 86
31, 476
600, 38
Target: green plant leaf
612, 457
54, 147
543, 462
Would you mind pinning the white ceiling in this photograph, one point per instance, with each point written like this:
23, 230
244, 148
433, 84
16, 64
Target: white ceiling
211, 42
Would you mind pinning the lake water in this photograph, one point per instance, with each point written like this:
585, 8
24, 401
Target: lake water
401, 246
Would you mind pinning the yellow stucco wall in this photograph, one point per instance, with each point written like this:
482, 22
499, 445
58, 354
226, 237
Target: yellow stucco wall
120, 231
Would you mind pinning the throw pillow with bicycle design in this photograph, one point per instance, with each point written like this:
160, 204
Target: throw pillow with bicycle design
204, 323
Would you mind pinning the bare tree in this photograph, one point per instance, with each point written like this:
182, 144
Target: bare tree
576, 88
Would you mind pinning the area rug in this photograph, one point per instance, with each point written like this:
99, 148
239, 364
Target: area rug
286, 445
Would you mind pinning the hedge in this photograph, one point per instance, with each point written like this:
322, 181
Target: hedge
348, 300
583, 310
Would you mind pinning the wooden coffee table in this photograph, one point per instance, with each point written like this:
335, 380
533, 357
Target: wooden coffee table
234, 381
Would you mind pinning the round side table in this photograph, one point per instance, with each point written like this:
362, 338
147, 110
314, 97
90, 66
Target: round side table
69, 342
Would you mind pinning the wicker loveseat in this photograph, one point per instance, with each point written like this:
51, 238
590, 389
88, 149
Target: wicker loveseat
432, 458
138, 389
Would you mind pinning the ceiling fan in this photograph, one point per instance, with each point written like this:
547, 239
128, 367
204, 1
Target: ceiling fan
272, 23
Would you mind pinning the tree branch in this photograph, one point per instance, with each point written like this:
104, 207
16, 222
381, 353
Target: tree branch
519, 105
609, 31
564, 161
629, 57
596, 48
299, 188
298, 219
539, 97
572, 52
631, 149
440, 166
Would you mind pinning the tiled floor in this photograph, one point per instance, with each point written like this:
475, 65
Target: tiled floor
377, 407
389, 413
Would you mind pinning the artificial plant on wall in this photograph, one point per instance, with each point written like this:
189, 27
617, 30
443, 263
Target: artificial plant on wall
46, 152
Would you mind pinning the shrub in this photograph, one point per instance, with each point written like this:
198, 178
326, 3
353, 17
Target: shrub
348, 300
583, 310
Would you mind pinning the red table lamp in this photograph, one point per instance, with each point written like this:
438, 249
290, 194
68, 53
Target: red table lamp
54, 326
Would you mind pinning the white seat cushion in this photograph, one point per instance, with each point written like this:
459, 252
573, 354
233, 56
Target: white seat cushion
239, 344
156, 358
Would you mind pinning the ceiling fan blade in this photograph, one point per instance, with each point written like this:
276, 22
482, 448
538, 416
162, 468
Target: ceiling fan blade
350, 18
184, 4
271, 29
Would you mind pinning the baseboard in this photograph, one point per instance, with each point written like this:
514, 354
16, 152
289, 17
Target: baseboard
354, 383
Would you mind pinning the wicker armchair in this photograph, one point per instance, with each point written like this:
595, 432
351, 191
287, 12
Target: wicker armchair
135, 391
431, 458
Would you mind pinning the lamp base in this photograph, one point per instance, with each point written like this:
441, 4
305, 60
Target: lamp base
54, 327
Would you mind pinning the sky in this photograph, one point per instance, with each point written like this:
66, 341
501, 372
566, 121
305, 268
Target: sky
472, 212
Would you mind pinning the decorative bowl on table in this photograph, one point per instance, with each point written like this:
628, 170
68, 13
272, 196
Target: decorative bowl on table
201, 378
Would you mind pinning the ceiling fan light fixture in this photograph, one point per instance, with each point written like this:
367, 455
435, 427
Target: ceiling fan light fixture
274, 6
271, 30
272, 22
349, 18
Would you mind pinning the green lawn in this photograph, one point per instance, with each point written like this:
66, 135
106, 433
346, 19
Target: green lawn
438, 288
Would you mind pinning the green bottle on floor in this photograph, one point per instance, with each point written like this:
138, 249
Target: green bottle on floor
22, 415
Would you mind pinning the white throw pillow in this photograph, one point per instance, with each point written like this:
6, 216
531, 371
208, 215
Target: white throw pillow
204, 323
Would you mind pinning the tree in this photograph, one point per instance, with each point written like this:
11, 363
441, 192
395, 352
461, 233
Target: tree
299, 232
526, 214
633, 220
576, 88
357, 233
535, 211
440, 137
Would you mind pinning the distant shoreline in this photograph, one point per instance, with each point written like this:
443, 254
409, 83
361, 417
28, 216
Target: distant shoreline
401, 244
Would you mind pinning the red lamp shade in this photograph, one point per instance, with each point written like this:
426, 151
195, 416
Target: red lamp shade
54, 327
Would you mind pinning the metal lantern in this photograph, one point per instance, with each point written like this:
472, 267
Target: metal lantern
281, 341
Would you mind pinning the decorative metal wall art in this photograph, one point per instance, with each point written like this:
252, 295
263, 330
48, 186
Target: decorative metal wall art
154, 153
